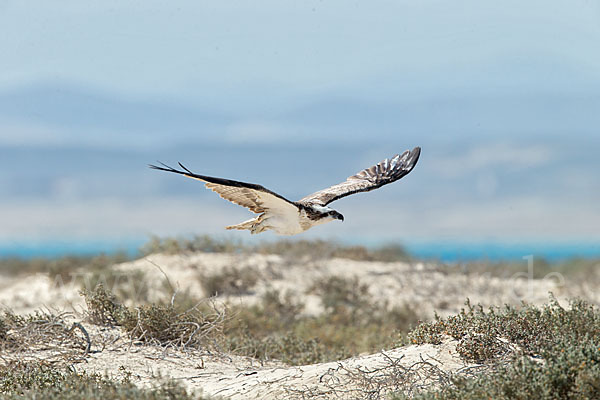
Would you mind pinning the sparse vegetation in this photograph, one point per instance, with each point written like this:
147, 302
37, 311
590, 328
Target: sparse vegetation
127, 285
159, 324
548, 352
64, 268
166, 325
272, 330
293, 249
198, 243
533, 329
43, 331
557, 354
275, 328
35, 380
573, 269
351, 324
103, 307
55, 342
229, 281
323, 249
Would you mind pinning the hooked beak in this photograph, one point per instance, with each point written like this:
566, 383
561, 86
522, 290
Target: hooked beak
341, 217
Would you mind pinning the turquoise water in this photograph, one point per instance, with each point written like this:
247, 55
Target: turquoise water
57, 248
451, 251
447, 251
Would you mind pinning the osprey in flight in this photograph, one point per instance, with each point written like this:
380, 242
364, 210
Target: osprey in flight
292, 217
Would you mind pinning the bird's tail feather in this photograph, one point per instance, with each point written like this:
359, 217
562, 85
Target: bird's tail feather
244, 225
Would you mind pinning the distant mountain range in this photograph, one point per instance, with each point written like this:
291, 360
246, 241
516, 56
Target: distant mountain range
77, 115
526, 162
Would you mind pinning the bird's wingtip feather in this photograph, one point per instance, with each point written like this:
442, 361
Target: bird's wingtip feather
182, 166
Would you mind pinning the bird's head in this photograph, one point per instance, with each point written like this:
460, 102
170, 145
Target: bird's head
336, 215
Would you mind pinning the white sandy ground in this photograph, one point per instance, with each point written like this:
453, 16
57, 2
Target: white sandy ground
235, 377
371, 376
426, 288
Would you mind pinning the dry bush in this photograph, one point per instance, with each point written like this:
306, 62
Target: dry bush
44, 332
159, 324
165, 325
103, 308
394, 376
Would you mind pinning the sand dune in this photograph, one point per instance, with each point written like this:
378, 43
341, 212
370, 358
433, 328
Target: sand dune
426, 287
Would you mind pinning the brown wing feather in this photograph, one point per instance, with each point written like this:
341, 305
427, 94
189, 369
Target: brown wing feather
387, 171
241, 196
241, 193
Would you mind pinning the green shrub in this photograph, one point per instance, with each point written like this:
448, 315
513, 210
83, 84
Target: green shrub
103, 308
533, 329
558, 355
29, 380
568, 371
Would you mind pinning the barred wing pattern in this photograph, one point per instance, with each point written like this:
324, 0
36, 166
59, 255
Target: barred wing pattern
387, 171
256, 198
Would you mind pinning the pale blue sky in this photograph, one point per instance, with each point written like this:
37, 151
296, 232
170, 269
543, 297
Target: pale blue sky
502, 96
250, 55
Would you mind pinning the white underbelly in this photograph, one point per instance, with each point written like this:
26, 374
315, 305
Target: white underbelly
285, 226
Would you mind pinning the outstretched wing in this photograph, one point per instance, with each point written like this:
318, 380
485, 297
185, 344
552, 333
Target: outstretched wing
385, 172
254, 197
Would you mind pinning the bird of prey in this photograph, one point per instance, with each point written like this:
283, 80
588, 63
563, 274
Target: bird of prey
287, 217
